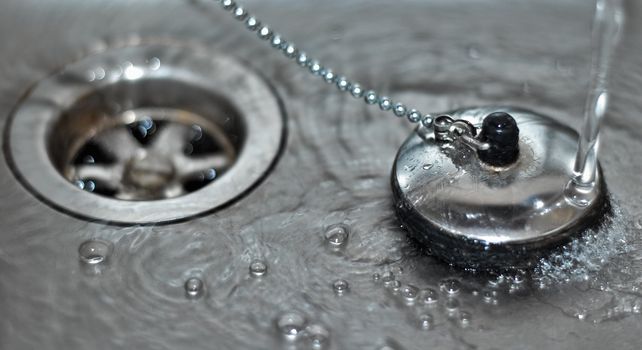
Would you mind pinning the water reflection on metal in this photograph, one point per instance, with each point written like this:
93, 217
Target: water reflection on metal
472, 214
154, 130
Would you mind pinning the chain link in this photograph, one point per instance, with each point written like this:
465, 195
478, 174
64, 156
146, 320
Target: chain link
370, 97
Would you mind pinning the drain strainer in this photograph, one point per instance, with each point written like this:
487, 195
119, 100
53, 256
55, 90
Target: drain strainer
146, 134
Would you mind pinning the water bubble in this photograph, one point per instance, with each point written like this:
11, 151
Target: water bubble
258, 268
517, 284
495, 279
429, 296
291, 324
428, 166
94, 252
489, 296
464, 318
194, 287
518, 278
340, 286
388, 279
87, 185
395, 286
154, 63
318, 335
451, 286
410, 292
452, 305
543, 282
336, 236
516, 289
90, 76
426, 322
376, 277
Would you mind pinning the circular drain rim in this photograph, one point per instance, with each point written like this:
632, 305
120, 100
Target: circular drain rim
30, 123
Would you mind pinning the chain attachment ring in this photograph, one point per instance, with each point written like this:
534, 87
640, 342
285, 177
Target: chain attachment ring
450, 130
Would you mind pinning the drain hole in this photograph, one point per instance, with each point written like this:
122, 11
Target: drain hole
150, 134
146, 141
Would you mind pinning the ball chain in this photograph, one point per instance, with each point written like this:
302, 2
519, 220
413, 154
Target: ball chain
370, 97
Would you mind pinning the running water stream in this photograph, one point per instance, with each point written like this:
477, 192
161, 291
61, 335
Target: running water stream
607, 28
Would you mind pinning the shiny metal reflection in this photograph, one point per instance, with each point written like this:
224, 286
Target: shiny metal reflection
92, 100
472, 214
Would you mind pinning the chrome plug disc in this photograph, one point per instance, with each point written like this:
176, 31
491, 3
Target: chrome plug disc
472, 214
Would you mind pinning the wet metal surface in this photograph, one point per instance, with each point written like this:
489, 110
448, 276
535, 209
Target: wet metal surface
474, 214
274, 269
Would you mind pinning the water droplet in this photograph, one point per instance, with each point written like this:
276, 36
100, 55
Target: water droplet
90, 76
464, 318
428, 166
489, 296
518, 278
388, 279
452, 305
429, 296
394, 286
318, 335
291, 324
638, 223
451, 286
258, 268
376, 277
154, 63
87, 185
398, 270
426, 322
543, 282
337, 236
410, 292
495, 279
340, 287
94, 252
194, 287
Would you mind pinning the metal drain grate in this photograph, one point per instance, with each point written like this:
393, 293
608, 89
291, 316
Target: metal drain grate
150, 154
146, 134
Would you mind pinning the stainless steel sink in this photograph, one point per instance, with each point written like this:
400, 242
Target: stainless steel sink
306, 252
